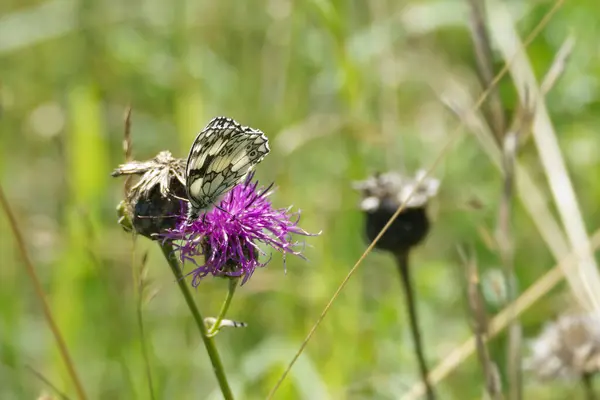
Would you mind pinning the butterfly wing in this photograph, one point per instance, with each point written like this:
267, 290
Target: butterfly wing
221, 156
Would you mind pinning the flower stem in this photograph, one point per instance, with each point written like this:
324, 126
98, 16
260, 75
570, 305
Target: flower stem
588, 386
211, 348
402, 261
233, 284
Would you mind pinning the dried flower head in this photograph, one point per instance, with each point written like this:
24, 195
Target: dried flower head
383, 194
228, 235
153, 201
568, 348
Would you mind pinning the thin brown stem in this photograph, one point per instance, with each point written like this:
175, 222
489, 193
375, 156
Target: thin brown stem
127, 147
409, 297
480, 328
47, 382
520, 126
39, 291
588, 386
505, 245
140, 285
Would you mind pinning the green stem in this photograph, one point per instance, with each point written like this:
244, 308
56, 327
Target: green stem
211, 348
233, 284
138, 288
588, 386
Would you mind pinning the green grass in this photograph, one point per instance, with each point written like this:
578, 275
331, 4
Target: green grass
342, 89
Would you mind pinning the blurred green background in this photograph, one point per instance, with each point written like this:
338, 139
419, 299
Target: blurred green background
342, 89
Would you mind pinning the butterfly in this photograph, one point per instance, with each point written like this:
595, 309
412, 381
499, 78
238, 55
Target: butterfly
220, 158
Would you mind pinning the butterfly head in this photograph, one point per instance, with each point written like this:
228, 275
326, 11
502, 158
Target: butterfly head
197, 207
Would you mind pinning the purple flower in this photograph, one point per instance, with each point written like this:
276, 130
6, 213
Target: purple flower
228, 235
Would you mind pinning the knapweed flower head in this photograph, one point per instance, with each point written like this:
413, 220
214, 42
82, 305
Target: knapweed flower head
228, 236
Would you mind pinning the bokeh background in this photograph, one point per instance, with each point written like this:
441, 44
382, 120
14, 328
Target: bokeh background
343, 89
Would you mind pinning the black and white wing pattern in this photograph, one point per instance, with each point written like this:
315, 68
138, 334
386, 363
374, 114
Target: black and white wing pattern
221, 156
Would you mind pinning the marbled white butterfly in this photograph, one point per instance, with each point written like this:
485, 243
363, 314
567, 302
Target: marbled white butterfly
220, 158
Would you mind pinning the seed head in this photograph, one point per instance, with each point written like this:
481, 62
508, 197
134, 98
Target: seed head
382, 195
567, 348
153, 202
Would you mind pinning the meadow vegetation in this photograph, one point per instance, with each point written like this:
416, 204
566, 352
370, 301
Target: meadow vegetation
498, 100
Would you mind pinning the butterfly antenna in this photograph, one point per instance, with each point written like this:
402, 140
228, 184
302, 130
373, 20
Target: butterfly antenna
157, 216
225, 211
219, 208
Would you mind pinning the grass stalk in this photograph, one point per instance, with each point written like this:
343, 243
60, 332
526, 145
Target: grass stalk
480, 328
41, 295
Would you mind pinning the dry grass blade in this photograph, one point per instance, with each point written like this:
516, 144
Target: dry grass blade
530, 195
485, 66
443, 152
535, 292
41, 295
586, 278
558, 65
554, 72
504, 234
